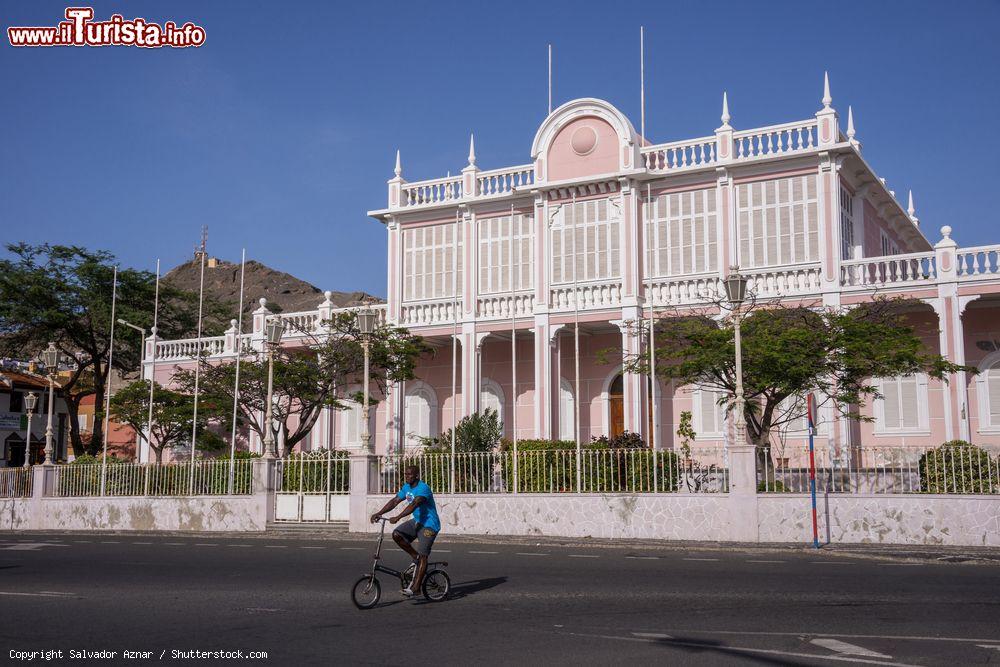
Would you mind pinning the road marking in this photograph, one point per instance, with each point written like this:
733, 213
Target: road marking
352, 548
142, 543
652, 635
995, 647
648, 557
312, 547
845, 636
765, 561
703, 559
844, 648
245, 546
84, 541
484, 552
581, 556
829, 562
110, 542
275, 546
442, 551
174, 544
41, 594
528, 554
30, 546
748, 649
202, 544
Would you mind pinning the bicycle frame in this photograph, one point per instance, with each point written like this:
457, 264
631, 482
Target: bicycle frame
377, 567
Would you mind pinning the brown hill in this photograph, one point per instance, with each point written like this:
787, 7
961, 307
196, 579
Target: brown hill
284, 292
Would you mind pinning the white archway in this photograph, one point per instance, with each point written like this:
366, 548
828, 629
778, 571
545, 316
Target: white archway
420, 413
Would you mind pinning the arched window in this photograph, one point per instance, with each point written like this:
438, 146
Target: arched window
350, 422
491, 397
567, 411
420, 418
988, 385
903, 406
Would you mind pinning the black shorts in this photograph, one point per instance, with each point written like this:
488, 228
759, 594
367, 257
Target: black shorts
411, 531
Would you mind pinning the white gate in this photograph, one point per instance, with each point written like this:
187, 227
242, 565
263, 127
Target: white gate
312, 487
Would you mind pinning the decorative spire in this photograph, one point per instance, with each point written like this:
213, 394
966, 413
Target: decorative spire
725, 110
912, 212
850, 124
827, 100
472, 150
399, 165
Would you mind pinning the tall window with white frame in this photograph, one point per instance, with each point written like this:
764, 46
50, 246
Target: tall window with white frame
590, 231
903, 406
496, 268
429, 262
681, 233
778, 222
846, 224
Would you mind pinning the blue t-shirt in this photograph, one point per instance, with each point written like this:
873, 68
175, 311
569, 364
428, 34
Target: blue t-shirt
426, 513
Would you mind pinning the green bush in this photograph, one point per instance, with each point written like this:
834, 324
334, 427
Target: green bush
480, 432
315, 471
958, 467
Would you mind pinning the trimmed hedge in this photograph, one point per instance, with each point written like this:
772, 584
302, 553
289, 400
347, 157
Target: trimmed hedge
958, 467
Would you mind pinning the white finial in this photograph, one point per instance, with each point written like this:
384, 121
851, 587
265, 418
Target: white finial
826, 91
725, 110
472, 150
850, 124
232, 324
152, 332
912, 212
399, 165
946, 233
327, 294
262, 301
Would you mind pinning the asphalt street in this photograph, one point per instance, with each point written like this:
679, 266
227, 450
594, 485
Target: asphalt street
168, 596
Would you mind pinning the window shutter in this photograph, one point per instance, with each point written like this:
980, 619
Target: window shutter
890, 403
993, 393
709, 412
567, 416
909, 417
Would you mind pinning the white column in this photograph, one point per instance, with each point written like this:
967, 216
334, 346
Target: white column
634, 388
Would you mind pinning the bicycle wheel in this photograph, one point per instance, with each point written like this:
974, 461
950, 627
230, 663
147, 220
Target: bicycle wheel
436, 585
366, 592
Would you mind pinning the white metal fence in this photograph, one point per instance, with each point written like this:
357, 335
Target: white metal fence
15, 482
563, 471
881, 470
204, 478
328, 472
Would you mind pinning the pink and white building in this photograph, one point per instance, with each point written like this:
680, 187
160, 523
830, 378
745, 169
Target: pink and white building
502, 270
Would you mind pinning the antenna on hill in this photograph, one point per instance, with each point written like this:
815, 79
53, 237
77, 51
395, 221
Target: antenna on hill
201, 249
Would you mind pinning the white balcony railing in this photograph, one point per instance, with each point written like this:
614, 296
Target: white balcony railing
503, 306
188, 348
430, 313
774, 140
586, 296
436, 191
890, 271
980, 262
306, 321
504, 181
680, 154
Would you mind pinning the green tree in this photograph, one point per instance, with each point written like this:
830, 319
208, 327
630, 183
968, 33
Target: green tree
480, 432
63, 294
791, 352
173, 417
309, 377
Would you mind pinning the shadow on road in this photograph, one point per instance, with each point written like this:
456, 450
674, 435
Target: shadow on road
465, 588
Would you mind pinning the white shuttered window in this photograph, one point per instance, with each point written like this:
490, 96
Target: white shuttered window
567, 411
419, 415
429, 262
778, 222
709, 415
498, 239
681, 233
846, 224
588, 231
903, 406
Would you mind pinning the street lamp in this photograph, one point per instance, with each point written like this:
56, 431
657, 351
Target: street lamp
736, 292
50, 359
30, 401
142, 341
273, 330
366, 326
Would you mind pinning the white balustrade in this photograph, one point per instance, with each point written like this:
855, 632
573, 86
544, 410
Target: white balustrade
429, 313
983, 261
305, 321
188, 348
774, 140
504, 181
590, 295
435, 191
680, 154
890, 270
679, 290
784, 281
499, 306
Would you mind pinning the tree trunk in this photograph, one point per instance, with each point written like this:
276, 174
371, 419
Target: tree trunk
73, 409
159, 453
97, 433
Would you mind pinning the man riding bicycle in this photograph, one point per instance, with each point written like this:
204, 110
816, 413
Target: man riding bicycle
423, 527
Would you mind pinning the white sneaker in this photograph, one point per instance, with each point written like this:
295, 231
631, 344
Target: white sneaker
407, 592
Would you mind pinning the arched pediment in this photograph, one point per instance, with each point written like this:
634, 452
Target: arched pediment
581, 138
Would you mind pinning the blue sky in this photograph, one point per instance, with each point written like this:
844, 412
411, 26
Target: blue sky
279, 133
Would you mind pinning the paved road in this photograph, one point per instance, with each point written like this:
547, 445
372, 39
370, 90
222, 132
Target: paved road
512, 603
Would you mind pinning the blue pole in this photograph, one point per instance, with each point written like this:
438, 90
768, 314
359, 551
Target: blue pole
812, 470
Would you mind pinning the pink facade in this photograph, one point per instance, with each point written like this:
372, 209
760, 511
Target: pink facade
600, 228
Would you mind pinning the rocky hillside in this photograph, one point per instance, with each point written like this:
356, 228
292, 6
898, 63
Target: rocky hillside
284, 292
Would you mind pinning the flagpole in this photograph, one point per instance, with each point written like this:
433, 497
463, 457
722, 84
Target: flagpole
513, 343
107, 387
642, 82
653, 404
152, 363
236, 387
197, 366
576, 361
550, 79
454, 354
